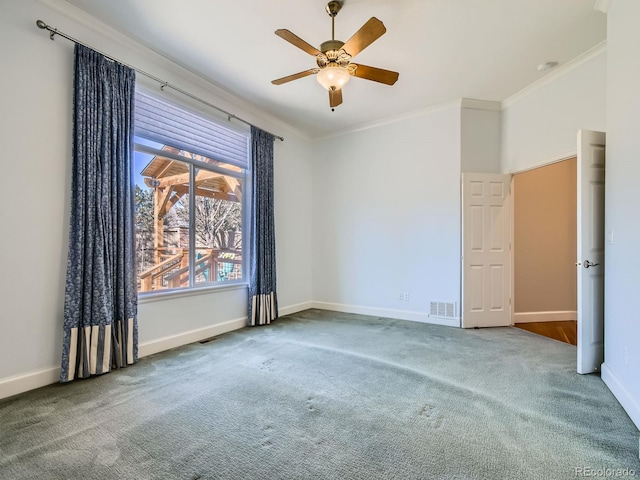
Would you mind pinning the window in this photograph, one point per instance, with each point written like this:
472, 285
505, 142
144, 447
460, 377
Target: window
190, 185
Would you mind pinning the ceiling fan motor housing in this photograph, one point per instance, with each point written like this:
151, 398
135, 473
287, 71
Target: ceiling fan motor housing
331, 45
333, 55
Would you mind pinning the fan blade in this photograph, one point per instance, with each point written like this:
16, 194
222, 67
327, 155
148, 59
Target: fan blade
368, 33
295, 76
297, 41
335, 97
376, 74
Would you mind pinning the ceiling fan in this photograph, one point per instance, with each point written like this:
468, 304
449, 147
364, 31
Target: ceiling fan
334, 57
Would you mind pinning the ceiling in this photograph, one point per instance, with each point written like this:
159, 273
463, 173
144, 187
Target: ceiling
443, 49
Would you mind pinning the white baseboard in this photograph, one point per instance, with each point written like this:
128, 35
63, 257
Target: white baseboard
619, 391
28, 381
191, 336
298, 307
184, 338
559, 316
387, 312
41, 378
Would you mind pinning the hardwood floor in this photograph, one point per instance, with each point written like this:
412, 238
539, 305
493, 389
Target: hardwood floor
564, 331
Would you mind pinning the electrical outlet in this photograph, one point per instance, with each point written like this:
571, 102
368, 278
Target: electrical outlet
405, 296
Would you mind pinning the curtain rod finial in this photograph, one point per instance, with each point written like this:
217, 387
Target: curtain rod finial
43, 26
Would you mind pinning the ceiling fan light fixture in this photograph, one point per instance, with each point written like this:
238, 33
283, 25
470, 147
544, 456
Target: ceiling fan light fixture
333, 77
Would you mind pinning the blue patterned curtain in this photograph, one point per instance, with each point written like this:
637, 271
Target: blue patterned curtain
263, 301
100, 308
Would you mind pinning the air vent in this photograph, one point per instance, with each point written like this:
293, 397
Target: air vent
443, 309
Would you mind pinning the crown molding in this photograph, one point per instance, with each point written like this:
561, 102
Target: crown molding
211, 90
469, 103
580, 60
474, 104
391, 120
602, 6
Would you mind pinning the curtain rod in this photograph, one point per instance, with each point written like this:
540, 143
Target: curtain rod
163, 84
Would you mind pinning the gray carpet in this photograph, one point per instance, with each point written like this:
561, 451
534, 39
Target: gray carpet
326, 395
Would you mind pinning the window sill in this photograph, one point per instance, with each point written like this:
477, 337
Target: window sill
189, 292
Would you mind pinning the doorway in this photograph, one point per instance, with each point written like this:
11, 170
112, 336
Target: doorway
544, 250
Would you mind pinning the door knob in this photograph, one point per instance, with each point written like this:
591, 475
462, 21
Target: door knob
588, 264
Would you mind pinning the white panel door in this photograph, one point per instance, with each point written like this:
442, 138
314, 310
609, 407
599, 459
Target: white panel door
590, 263
486, 256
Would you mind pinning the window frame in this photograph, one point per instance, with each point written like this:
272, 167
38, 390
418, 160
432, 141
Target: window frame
244, 176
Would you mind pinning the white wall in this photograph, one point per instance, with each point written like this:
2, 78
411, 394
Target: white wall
293, 206
621, 370
35, 90
386, 211
481, 137
540, 123
36, 105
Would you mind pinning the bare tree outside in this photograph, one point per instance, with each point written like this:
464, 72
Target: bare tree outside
218, 222
144, 227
